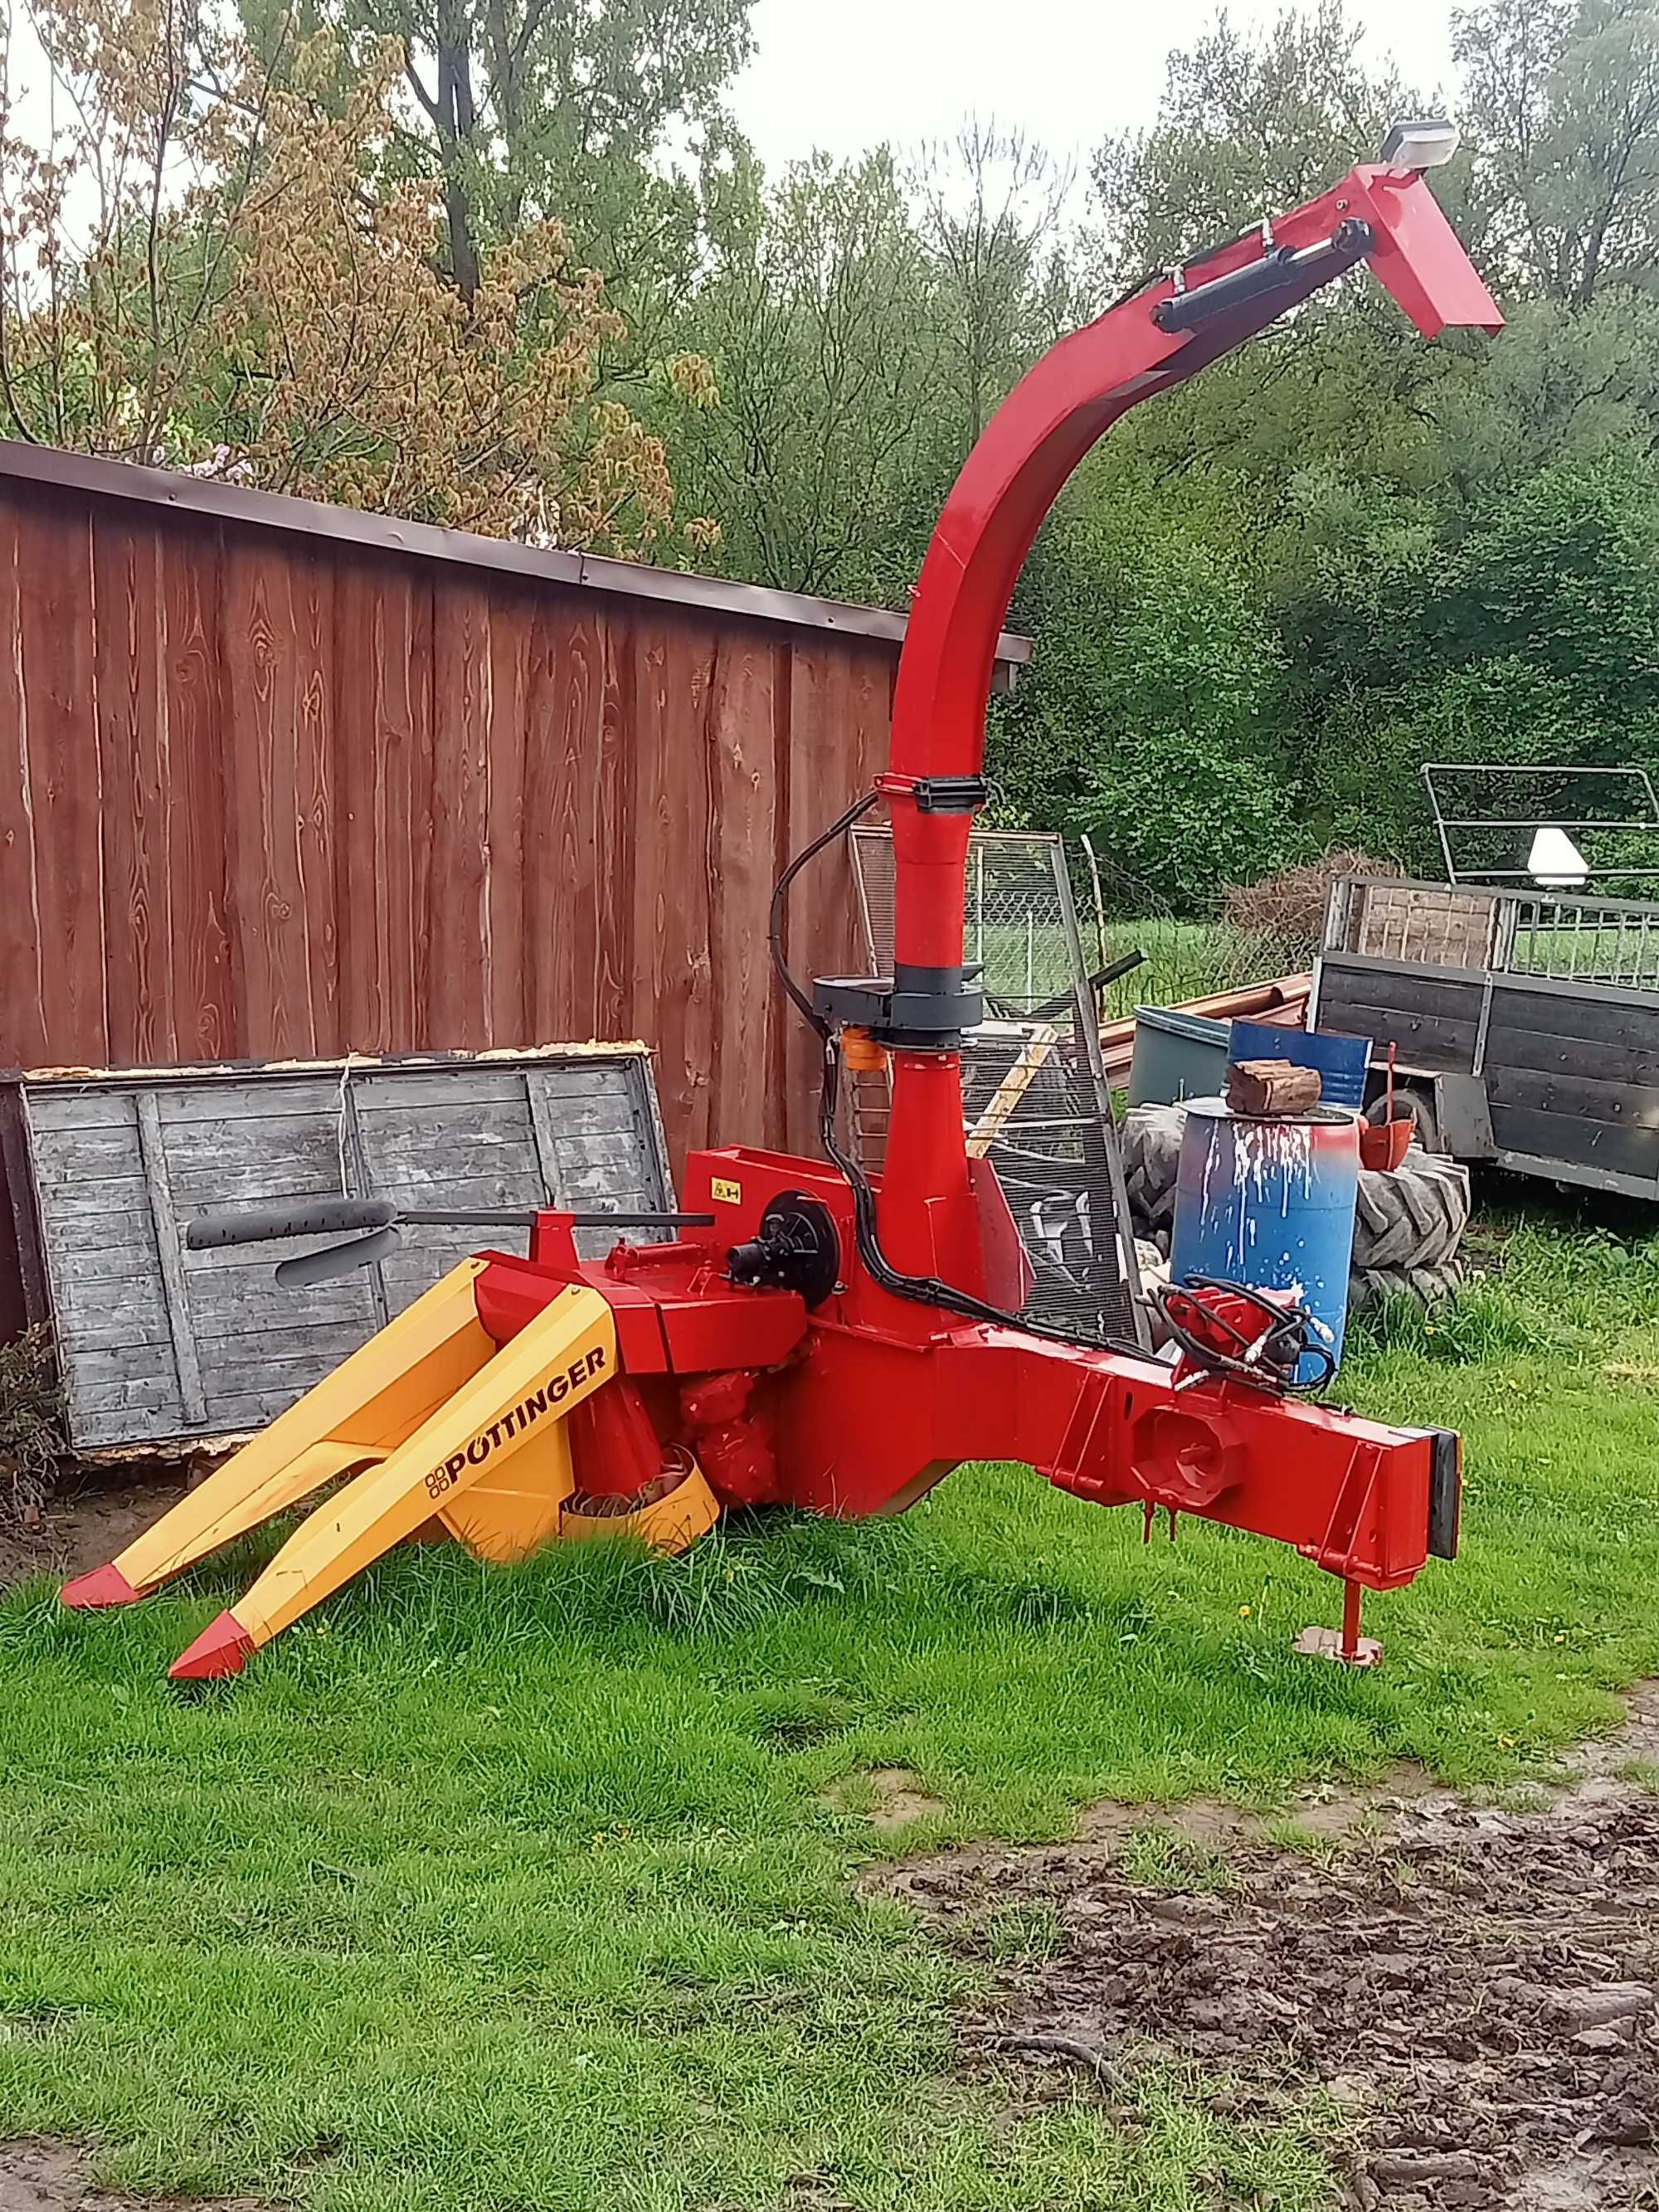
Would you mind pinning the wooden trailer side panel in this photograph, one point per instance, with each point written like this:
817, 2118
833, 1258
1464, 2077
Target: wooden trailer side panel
1572, 1074
1570, 1068
1433, 1016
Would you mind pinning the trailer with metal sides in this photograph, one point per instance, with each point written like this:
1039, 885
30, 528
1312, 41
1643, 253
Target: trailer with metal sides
1525, 1023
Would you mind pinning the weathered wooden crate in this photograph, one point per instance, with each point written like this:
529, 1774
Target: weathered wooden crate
1429, 923
160, 1346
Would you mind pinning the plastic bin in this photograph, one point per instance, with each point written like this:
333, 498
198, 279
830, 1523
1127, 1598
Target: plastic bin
1176, 1056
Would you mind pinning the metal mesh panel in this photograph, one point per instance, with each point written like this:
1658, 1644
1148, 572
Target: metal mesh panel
1020, 923
1486, 814
1035, 1097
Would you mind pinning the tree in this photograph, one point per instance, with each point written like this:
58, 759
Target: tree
862, 320
818, 320
1562, 102
1247, 124
245, 301
989, 207
1142, 718
1535, 639
524, 111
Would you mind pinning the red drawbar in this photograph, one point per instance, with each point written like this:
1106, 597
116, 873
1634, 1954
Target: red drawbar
224, 1648
106, 1585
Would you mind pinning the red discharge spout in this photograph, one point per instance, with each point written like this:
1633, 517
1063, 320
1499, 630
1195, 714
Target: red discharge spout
1150, 340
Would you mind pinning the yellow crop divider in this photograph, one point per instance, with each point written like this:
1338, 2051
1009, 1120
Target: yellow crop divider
442, 1424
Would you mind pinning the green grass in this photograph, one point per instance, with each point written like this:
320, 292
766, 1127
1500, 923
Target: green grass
520, 1889
1184, 960
1193, 959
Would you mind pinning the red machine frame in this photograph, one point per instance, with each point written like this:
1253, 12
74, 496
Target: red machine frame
859, 1405
839, 1348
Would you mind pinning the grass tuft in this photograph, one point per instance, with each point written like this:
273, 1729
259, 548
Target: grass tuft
1196, 959
1163, 1858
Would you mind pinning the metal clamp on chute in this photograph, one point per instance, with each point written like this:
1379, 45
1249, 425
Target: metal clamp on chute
940, 794
925, 1008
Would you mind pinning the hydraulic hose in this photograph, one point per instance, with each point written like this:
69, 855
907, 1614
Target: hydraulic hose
929, 1290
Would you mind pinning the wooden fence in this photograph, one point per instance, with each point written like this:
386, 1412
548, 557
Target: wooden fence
277, 779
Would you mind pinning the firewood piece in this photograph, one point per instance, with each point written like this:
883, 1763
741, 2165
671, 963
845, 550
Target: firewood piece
1267, 1088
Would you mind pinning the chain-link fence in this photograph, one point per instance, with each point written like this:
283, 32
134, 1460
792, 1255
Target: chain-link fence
1035, 1095
1020, 917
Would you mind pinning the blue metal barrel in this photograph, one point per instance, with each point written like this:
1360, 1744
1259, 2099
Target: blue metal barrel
1340, 1060
1270, 1203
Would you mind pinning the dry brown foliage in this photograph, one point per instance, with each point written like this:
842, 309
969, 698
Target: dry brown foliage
1291, 905
197, 269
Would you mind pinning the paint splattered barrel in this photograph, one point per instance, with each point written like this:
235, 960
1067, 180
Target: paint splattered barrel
1270, 1203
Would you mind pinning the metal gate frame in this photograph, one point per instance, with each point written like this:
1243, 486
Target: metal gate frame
1460, 867
1022, 1061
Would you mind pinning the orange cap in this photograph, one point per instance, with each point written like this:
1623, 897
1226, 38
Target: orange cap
862, 1054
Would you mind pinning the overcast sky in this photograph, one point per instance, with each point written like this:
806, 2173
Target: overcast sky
846, 74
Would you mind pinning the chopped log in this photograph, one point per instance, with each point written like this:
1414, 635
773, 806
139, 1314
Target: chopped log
1269, 1088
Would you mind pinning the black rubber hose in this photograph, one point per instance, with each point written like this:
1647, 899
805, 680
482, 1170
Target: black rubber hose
1275, 1355
921, 1290
838, 828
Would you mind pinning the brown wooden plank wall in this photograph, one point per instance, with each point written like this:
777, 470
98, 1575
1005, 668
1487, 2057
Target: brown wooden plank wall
265, 795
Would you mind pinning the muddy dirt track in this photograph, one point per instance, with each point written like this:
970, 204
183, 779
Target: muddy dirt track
1475, 1988
83, 1528
49, 2177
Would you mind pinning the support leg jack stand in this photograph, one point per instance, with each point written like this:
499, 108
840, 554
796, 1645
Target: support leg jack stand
1346, 1646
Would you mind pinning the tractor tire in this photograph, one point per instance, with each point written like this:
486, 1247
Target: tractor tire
1152, 1159
1413, 1105
1424, 1286
1415, 1217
